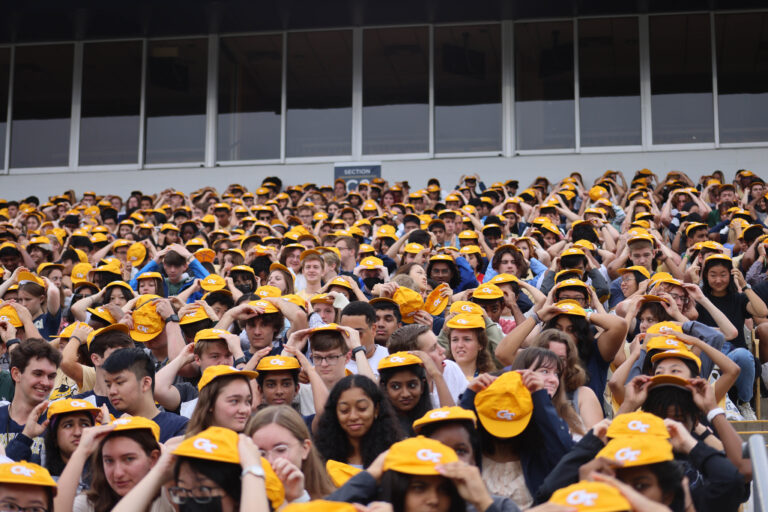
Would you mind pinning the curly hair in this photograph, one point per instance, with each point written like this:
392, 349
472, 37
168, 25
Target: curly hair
520, 261
331, 440
484, 361
582, 331
574, 376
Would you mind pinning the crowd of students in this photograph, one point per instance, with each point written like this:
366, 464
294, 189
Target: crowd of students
567, 346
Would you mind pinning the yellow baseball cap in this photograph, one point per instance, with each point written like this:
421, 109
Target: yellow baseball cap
220, 444
267, 306
147, 323
635, 268
465, 307
136, 253
114, 327
453, 413
210, 335
9, 314
636, 424
371, 263
195, 314
436, 302
126, 422
80, 272
25, 473
102, 313
680, 353
66, 333
418, 456
339, 281
410, 303
29, 277
268, 291
278, 363
656, 328
339, 473
591, 497
571, 307
503, 278
321, 298
221, 370
637, 450
572, 251
668, 380
413, 248
323, 505
487, 291
466, 321
505, 407
399, 359
67, 405
213, 283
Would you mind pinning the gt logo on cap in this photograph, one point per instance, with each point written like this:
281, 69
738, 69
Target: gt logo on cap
638, 425
429, 455
581, 497
461, 321
438, 414
142, 328
121, 422
278, 362
627, 454
21, 470
505, 415
78, 403
487, 290
205, 445
466, 308
397, 359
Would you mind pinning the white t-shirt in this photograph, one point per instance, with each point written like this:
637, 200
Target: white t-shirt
381, 353
454, 379
306, 400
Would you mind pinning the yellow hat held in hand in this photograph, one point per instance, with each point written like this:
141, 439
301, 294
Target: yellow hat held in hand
126, 422
437, 300
680, 353
213, 283
505, 407
340, 472
466, 307
410, 303
418, 456
278, 363
487, 292
591, 497
323, 505
147, 323
68, 405
221, 370
466, 321
399, 359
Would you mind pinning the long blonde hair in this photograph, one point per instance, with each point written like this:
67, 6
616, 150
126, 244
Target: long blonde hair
316, 480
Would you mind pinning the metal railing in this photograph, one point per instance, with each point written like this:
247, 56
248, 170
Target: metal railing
759, 456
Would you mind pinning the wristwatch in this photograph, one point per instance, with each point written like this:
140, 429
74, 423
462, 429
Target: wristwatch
255, 470
357, 349
240, 360
173, 318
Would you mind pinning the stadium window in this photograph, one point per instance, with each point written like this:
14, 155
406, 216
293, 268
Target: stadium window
319, 93
544, 80
609, 82
742, 76
176, 100
250, 89
468, 115
5, 69
396, 90
42, 105
111, 103
681, 79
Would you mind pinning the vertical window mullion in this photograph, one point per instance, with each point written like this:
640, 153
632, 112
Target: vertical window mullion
211, 106
508, 86
431, 136
143, 104
576, 108
9, 116
77, 95
645, 82
715, 116
357, 92
283, 96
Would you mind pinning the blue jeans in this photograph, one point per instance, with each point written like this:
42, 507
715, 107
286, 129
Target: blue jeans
746, 361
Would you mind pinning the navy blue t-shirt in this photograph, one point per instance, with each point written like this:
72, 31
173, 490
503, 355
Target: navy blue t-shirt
98, 401
48, 325
171, 425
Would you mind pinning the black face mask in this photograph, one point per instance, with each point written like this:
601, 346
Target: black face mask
192, 506
246, 288
370, 282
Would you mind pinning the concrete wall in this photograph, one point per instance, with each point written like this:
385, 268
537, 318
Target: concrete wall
448, 170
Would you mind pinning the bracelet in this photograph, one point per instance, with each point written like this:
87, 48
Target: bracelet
535, 316
714, 412
11, 342
76, 338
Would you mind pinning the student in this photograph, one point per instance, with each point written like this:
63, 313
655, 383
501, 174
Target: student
130, 378
122, 453
41, 298
228, 465
388, 319
420, 339
156, 326
225, 400
282, 278
361, 316
33, 368
419, 474
99, 346
403, 380
278, 379
26, 486
357, 424
469, 344
281, 434
176, 261
210, 347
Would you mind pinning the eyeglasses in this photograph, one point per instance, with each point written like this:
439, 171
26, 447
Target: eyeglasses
279, 450
628, 279
201, 495
329, 360
12, 507
679, 298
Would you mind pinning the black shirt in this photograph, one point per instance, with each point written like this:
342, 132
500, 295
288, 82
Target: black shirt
734, 307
